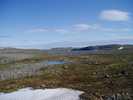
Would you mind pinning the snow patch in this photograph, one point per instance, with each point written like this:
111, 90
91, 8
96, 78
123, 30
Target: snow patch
42, 94
120, 48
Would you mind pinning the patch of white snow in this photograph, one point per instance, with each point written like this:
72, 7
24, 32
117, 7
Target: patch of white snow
120, 48
42, 94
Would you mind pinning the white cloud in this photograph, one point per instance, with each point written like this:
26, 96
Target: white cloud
81, 27
97, 27
85, 27
78, 28
115, 29
43, 30
5, 36
114, 15
37, 30
60, 30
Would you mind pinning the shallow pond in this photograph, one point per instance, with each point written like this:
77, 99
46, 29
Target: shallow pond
53, 62
21, 70
42, 94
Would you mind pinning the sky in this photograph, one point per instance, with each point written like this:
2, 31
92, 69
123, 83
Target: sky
36, 23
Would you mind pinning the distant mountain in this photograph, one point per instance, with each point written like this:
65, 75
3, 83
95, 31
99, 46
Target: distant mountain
67, 44
18, 50
98, 49
105, 49
102, 47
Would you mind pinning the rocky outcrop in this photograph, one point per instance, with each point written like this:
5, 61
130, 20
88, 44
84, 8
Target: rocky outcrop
117, 96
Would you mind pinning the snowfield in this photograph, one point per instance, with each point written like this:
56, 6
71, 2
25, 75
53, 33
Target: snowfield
42, 94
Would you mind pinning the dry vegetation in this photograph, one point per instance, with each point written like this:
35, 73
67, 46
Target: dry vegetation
96, 74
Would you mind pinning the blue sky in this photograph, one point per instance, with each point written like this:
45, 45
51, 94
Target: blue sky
28, 23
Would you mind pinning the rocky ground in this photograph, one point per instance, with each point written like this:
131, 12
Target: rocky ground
100, 76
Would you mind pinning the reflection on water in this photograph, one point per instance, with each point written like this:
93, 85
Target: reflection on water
42, 94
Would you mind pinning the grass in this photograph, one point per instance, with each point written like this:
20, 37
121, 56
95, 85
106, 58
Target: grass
108, 74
